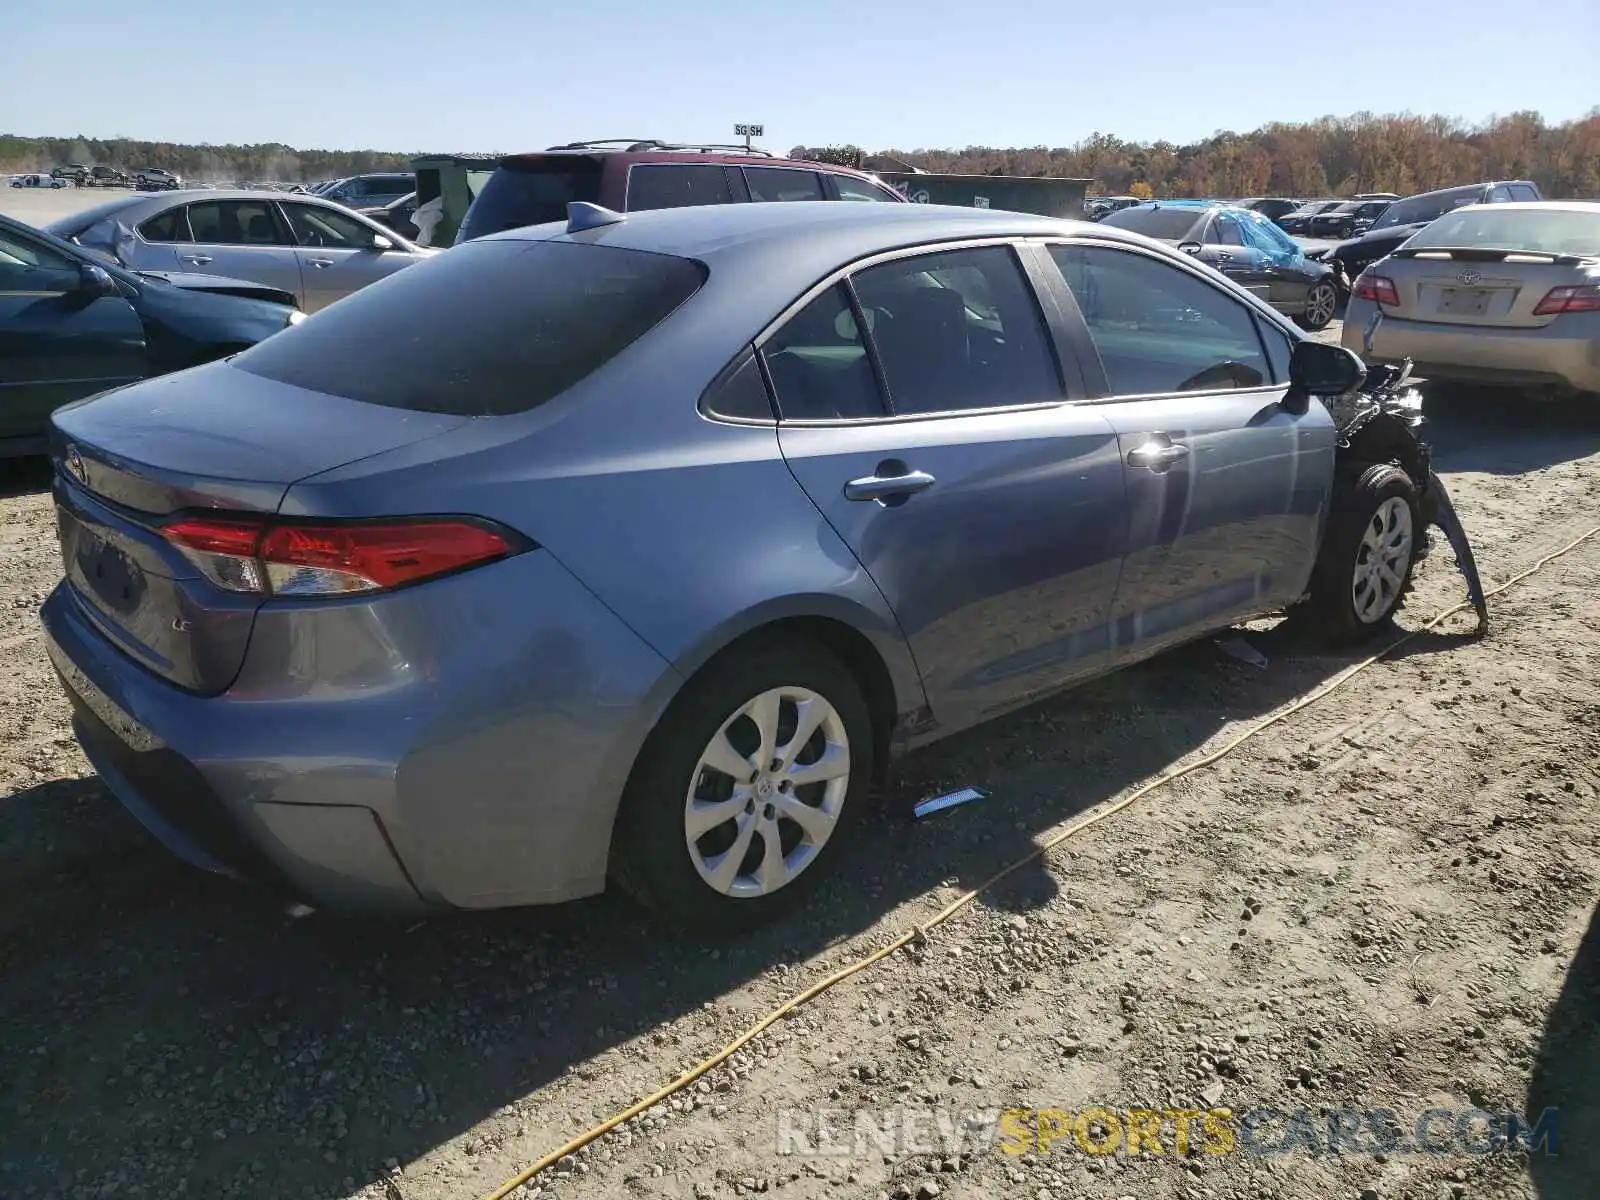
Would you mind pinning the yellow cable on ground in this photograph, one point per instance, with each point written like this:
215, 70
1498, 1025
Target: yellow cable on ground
960, 902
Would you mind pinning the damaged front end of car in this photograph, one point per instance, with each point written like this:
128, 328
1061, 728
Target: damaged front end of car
1381, 421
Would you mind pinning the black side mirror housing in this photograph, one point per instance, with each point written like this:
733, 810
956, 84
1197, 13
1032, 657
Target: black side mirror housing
94, 282
1190, 247
1318, 369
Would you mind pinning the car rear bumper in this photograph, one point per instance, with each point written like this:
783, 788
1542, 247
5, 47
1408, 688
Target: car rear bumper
476, 763
1565, 353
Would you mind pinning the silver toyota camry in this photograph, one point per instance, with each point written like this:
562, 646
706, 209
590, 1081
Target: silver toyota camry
319, 251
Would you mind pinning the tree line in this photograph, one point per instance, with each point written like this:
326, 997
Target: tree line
220, 164
1333, 156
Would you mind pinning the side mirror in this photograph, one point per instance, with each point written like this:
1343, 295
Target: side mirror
381, 243
1318, 369
94, 282
1189, 247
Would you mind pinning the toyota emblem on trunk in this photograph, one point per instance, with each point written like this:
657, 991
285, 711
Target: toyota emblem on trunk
75, 467
1469, 277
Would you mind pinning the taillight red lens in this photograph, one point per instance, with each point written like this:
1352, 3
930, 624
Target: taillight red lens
1379, 289
329, 559
318, 559
1582, 297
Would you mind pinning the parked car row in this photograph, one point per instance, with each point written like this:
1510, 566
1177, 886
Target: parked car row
290, 667
1246, 247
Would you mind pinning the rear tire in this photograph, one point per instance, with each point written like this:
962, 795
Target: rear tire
1322, 301
685, 813
1369, 550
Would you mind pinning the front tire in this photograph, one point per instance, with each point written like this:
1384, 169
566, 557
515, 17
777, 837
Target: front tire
1322, 301
1369, 550
747, 788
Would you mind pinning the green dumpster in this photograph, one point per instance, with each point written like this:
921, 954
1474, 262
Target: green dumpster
1044, 195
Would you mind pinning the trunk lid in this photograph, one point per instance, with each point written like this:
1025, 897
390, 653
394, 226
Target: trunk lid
1496, 288
213, 438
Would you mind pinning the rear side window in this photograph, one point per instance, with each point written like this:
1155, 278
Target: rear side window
819, 366
236, 223
851, 188
170, 226
780, 183
1169, 223
488, 329
671, 185
531, 192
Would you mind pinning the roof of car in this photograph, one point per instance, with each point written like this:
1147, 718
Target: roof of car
1591, 207
772, 250
663, 152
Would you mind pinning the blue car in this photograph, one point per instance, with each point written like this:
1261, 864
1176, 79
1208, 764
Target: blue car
632, 548
1246, 247
72, 325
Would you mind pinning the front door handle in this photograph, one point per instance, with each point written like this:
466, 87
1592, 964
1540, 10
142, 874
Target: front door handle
1157, 456
883, 487
198, 260
320, 262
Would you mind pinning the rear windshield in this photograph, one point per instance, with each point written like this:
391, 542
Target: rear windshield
486, 329
531, 191
1428, 207
1499, 228
1155, 222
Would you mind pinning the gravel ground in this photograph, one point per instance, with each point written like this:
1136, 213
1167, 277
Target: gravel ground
1386, 901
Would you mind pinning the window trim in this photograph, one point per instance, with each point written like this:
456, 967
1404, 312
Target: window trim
627, 182
1094, 369
1019, 246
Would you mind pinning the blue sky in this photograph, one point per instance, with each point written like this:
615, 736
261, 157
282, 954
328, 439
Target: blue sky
499, 75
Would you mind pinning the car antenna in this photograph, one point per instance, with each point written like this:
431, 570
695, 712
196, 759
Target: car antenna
582, 215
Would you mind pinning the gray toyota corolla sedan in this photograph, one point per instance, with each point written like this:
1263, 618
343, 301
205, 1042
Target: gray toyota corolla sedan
317, 250
632, 548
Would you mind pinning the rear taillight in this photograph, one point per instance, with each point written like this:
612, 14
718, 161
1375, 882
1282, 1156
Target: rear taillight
1580, 297
319, 558
1379, 289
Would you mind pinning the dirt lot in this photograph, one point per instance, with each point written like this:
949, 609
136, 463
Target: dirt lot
1386, 902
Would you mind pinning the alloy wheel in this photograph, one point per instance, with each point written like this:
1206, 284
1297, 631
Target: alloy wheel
1320, 305
767, 792
1382, 560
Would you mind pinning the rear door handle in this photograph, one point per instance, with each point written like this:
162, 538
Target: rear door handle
881, 487
198, 260
1157, 456
320, 262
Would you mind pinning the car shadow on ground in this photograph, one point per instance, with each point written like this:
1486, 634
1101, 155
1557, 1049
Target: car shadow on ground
1566, 1076
156, 1014
1506, 432
24, 476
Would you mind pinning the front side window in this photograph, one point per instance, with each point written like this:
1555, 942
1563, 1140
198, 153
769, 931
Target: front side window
236, 223
819, 366
29, 266
851, 188
1523, 191
674, 185
314, 225
1268, 238
1227, 231
778, 183
958, 329
1159, 329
